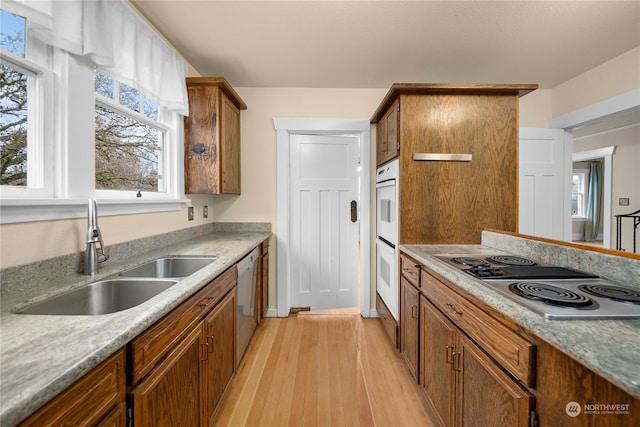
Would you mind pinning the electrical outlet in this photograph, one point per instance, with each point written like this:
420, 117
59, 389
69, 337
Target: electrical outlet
623, 201
205, 211
190, 213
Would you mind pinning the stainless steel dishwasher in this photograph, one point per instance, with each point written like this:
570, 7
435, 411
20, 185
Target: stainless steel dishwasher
247, 310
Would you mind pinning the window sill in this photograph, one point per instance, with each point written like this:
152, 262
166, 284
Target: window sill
29, 210
578, 219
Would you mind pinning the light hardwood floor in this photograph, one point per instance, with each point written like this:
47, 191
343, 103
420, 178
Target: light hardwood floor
322, 370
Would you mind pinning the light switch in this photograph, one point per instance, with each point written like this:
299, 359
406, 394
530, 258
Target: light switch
190, 213
205, 211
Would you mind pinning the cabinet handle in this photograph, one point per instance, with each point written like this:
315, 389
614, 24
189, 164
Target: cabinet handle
449, 350
456, 361
453, 309
205, 352
212, 338
414, 311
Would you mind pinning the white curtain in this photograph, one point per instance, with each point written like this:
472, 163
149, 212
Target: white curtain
116, 39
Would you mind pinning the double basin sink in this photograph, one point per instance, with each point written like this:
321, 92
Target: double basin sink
129, 289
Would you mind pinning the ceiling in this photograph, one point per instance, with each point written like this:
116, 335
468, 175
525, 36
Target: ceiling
372, 44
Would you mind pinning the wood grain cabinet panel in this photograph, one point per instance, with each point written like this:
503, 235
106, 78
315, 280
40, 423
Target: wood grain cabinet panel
409, 313
387, 137
151, 346
212, 137
486, 395
89, 400
263, 287
409, 340
513, 352
451, 202
171, 394
220, 360
463, 385
438, 338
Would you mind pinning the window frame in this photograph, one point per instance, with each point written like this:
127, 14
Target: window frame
585, 184
163, 170
72, 170
36, 65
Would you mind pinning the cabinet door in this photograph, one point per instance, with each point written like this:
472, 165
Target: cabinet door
437, 344
392, 117
409, 326
486, 395
220, 363
230, 148
387, 139
381, 140
171, 394
88, 400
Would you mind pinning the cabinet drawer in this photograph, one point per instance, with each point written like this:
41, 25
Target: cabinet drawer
87, 400
512, 351
150, 347
410, 270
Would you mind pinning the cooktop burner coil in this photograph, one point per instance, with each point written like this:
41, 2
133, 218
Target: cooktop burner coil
470, 261
615, 293
511, 260
550, 294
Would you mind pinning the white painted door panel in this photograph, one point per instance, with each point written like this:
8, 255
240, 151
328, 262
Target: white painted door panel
542, 183
324, 241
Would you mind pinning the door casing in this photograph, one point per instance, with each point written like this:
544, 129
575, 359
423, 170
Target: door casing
285, 127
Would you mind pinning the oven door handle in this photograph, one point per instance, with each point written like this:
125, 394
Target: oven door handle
387, 183
385, 242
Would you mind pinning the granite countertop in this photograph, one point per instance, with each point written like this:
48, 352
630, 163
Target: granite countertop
42, 355
588, 341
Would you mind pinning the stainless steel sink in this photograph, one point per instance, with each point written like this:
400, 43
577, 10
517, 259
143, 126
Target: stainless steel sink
171, 267
103, 297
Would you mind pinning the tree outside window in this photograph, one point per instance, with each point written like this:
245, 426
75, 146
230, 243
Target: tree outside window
13, 103
129, 141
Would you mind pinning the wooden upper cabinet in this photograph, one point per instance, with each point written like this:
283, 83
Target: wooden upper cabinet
387, 138
212, 137
445, 201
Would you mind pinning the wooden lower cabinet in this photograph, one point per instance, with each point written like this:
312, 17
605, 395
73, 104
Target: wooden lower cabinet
462, 384
263, 285
409, 340
219, 363
93, 400
172, 393
116, 418
486, 395
183, 383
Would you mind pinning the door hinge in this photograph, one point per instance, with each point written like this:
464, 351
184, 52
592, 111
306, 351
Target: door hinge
398, 148
398, 107
534, 420
129, 412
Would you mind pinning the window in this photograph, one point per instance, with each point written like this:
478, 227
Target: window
130, 154
579, 185
113, 129
21, 100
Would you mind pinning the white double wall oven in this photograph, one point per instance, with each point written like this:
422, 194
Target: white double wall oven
387, 231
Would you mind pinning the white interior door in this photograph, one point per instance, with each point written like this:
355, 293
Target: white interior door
544, 183
324, 240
